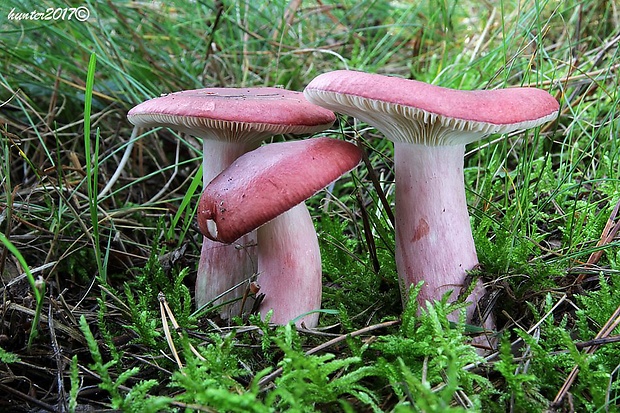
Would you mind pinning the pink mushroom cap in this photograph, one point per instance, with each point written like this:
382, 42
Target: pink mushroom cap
432, 115
236, 114
268, 181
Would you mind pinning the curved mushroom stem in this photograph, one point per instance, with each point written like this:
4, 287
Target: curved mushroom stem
221, 266
434, 242
289, 267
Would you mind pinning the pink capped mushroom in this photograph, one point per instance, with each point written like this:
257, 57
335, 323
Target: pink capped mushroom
430, 127
266, 189
231, 122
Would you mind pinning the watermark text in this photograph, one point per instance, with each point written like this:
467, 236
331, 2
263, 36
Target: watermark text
80, 14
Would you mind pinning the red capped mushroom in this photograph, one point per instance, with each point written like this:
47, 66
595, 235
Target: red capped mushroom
231, 122
430, 127
265, 189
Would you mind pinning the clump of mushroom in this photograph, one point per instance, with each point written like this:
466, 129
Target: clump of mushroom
266, 189
430, 127
231, 122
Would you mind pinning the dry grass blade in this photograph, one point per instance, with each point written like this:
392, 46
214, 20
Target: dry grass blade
608, 234
42, 405
62, 396
70, 331
164, 322
287, 19
163, 302
598, 341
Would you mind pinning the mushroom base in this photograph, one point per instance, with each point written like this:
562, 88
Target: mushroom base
223, 270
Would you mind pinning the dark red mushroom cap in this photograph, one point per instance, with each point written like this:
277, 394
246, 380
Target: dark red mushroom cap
268, 181
235, 114
416, 112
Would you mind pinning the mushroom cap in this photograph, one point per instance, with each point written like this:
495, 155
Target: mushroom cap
417, 112
264, 183
233, 114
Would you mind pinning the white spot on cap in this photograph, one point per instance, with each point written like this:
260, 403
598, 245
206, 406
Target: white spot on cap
212, 228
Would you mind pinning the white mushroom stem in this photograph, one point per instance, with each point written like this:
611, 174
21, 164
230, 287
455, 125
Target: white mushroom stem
434, 242
218, 155
289, 266
222, 266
